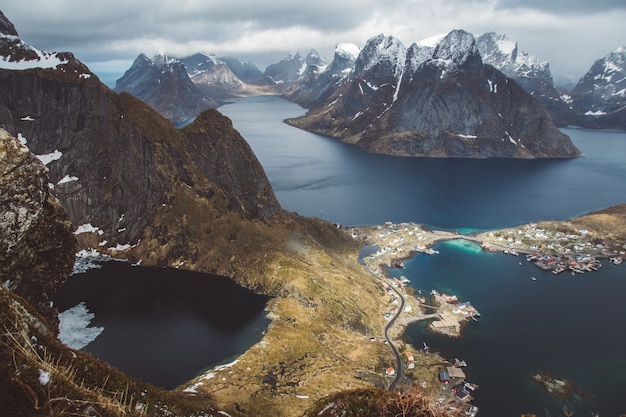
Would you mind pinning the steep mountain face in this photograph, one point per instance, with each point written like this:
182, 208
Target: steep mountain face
214, 77
37, 245
532, 74
602, 89
309, 90
113, 161
165, 85
180, 89
435, 100
245, 71
294, 67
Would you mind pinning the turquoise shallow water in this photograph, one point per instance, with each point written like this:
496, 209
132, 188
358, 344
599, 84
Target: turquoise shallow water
570, 327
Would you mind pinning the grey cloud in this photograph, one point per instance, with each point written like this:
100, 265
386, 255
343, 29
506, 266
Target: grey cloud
565, 6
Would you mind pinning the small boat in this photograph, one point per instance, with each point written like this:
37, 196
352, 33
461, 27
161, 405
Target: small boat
459, 363
533, 278
471, 386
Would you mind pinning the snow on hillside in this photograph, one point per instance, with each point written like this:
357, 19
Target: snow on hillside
43, 60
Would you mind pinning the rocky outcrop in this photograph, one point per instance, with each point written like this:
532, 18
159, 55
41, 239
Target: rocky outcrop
37, 245
435, 101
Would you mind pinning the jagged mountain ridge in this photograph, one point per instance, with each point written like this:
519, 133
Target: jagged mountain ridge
531, 73
165, 85
180, 89
308, 90
435, 101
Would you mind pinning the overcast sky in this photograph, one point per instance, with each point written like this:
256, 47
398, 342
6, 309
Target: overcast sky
108, 35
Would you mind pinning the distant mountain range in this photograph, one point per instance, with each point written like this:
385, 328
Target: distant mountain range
434, 99
451, 117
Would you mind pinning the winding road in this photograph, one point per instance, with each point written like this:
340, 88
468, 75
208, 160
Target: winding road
390, 324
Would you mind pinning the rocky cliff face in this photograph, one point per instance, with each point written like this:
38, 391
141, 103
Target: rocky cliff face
114, 162
37, 245
531, 73
435, 101
311, 89
601, 92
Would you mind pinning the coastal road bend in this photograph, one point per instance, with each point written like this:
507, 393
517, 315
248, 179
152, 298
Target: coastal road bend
390, 324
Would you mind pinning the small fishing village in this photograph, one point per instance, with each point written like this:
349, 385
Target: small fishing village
574, 251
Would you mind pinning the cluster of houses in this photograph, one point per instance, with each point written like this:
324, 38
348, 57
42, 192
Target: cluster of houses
460, 390
556, 242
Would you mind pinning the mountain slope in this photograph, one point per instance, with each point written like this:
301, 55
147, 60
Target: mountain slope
601, 92
137, 188
435, 101
532, 74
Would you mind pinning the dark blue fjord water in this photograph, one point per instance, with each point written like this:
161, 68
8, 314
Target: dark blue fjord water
571, 327
164, 325
320, 176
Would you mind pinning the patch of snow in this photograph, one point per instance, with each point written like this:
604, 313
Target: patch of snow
119, 247
621, 92
49, 157
44, 377
85, 76
226, 365
567, 98
224, 413
194, 388
505, 45
85, 228
89, 259
347, 50
466, 136
21, 138
432, 41
357, 115
304, 397
27, 119
594, 113
74, 330
44, 60
370, 85
67, 178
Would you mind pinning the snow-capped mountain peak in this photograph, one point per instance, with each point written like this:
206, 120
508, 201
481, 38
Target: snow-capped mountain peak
381, 50
603, 88
456, 47
503, 53
347, 51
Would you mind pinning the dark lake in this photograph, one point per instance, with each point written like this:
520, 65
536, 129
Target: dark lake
164, 325
572, 327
